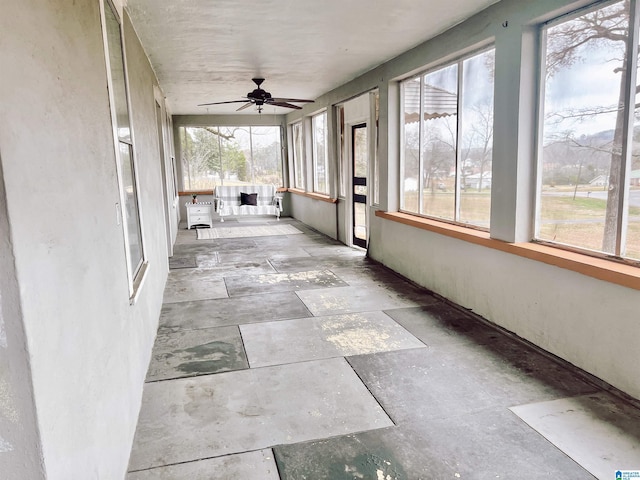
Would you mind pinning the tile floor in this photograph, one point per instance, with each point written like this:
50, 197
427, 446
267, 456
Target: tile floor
294, 357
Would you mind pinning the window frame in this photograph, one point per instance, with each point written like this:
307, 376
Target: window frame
182, 129
314, 153
297, 177
626, 143
457, 60
135, 274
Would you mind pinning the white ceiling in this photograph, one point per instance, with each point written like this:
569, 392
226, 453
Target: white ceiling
208, 50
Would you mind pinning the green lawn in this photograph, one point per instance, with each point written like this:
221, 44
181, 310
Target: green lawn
578, 222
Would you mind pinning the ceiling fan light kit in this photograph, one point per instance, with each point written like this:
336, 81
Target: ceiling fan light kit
260, 97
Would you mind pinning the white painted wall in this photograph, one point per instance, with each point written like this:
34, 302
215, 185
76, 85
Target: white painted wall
316, 213
20, 452
590, 323
88, 348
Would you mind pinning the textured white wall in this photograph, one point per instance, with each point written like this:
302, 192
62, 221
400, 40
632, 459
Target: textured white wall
89, 348
20, 453
315, 213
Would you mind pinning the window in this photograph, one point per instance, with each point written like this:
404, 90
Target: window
447, 135
219, 155
589, 154
320, 157
124, 147
298, 155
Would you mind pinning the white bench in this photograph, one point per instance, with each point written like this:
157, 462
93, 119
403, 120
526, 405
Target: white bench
228, 200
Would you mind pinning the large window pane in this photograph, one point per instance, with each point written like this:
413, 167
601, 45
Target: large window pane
266, 156
132, 213
220, 155
439, 144
202, 163
476, 139
320, 158
581, 160
631, 249
298, 157
116, 67
448, 141
411, 145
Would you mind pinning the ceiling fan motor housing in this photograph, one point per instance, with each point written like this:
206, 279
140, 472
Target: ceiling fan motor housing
258, 95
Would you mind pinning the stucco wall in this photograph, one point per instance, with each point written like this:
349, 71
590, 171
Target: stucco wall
20, 453
89, 348
316, 213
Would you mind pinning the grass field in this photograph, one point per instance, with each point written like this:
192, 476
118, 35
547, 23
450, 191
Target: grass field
580, 222
577, 222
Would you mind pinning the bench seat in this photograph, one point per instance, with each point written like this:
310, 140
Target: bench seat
228, 201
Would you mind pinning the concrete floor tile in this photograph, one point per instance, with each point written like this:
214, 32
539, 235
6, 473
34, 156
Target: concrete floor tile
302, 264
196, 352
609, 431
418, 384
231, 311
442, 324
278, 282
212, 415
258, 465
440, 383
481, 446
356, 299
285, 254
182, 261
213, 269
205, 247
247, 256
207, 260
299, 340
367, 274
335, 250
196, 286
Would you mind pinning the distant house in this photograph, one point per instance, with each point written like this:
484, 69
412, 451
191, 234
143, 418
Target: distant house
473, 181
603, 180
600, 181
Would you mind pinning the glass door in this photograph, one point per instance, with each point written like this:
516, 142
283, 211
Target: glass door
360, 156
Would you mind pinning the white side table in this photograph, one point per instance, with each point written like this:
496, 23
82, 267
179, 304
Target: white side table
199, 214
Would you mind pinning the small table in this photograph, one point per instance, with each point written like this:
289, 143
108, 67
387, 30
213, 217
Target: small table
199, 214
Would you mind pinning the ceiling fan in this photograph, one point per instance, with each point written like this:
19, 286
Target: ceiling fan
259, 97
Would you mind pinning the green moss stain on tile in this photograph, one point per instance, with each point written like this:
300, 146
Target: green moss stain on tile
377, 466
210, 357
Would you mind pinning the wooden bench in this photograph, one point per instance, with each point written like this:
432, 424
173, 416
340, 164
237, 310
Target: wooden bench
239, 199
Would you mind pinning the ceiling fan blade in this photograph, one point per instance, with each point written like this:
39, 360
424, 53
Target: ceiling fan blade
284, 104
220, 103
295, 100
248, 104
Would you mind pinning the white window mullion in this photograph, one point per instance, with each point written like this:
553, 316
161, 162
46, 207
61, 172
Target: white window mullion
627, 139
459, 160
421, 126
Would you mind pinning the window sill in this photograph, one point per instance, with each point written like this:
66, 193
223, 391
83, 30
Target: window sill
602, 269
316, 196
138, 283
195, 192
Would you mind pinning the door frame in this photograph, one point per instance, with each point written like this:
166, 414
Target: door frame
356, 198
